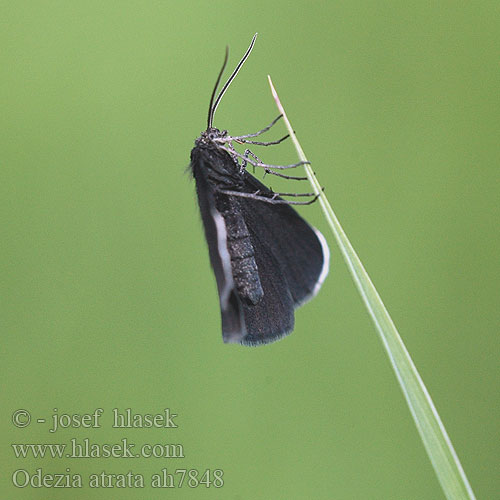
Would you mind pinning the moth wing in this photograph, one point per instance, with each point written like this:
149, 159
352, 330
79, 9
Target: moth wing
300, 250
272, 318
291, 256
233, 323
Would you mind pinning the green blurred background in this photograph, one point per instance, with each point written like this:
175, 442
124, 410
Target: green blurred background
107, 298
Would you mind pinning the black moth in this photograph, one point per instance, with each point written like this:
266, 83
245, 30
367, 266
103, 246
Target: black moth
267, 260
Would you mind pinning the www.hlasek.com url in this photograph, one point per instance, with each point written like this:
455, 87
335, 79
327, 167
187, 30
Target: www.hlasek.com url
84, 448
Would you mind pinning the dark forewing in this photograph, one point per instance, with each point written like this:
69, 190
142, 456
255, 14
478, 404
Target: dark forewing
291, 257
300, 250
272, 318
233, 326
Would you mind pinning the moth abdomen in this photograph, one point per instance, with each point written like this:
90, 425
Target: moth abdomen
240, 248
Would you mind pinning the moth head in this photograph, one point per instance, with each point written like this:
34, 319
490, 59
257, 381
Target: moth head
211, 137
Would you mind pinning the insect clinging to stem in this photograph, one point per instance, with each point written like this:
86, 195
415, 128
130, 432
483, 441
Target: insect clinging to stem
266, 258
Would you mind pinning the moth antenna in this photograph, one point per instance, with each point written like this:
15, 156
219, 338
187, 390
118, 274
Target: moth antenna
211, 112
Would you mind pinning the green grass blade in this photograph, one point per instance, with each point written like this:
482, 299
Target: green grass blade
436, 441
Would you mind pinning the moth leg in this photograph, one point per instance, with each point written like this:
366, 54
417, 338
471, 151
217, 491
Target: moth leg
247, 136
267, 168
275, 194
289, 177
272, 200
258, 163
260, 143
245, 160
294, 194
249, 153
